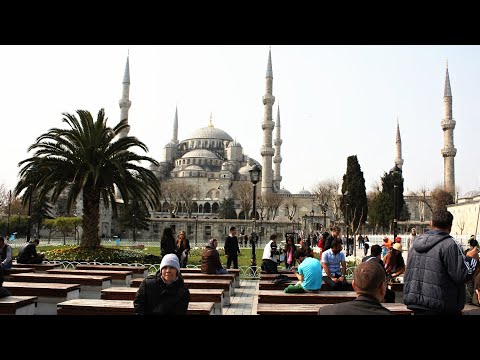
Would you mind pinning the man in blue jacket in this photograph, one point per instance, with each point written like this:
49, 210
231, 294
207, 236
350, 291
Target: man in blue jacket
437, 270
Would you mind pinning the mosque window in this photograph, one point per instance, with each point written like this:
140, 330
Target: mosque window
190, 173
208, 230
188, 161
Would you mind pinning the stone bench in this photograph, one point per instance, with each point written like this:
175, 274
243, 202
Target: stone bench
202, 284
235, 272
90, 285
201, 276
322, 297
273, 276
37, 267
119, 307
138, 271
196, 295
315, 309
120, 278
48, 294
18, 305
269, 285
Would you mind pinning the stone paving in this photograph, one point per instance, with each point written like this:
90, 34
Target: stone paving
245, 300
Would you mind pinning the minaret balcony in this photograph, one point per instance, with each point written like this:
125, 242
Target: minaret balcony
268, 99
268, 125
448, 152
125, 103
267, 151
448, 124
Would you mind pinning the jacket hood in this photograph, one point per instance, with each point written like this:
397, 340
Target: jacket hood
426, 241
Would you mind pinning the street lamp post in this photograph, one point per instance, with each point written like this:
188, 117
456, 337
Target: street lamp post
8, 218
29, 227
324, 210
304, 224
312, 213
395, 171
196, 222
254, 178
346, 218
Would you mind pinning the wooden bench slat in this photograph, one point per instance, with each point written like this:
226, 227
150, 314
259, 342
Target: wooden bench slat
87, 280
18, 288
115, 275
135, 269
322, 297
10, 304
118, 307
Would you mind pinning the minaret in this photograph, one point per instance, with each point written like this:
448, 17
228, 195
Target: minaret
398, 143
277, 159
175, 127
124, 102
448, 151
267, 150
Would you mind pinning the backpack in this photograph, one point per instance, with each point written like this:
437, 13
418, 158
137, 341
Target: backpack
280, 279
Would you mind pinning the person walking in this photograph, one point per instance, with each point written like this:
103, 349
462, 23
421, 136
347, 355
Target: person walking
231, 248
437, 270
411, 238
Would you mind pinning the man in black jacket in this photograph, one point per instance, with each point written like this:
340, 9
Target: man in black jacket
437, 270
231, 248
28, 253
369, 282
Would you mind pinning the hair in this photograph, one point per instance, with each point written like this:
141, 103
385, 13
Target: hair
167, 233
335, 243
442, 219
336, 228
375, 250
368, 277
300, 253
2, 239
473, 242
273, 237
232, 228
394, 260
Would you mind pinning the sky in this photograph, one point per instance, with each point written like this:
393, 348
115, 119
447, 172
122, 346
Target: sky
335, 101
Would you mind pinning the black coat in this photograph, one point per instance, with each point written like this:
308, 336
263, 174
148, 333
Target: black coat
436, 272
231, 246
157, 298
362, 305
27, 252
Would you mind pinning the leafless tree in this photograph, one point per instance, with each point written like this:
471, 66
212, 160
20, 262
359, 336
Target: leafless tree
243, 192
187, 193
326, 191
422, 193
291, 205
461, 223
171, 193
273, 201
3, 198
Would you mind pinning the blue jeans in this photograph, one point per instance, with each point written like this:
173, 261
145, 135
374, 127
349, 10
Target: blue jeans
221, 271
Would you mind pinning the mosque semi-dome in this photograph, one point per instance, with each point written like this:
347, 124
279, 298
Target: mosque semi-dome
200, 153
210, 132
194, 168
284, 191
410, 193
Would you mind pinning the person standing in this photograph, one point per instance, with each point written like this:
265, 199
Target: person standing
411, 238
231, 248
167, 242
289, 252
437, 270
370, 286
163, 293
183, 248
334, 235
269, 257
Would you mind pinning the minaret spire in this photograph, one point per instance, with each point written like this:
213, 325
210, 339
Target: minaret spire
448, 151
398, 146
211, 123
125, 102
268, 125
277, 159
175, 127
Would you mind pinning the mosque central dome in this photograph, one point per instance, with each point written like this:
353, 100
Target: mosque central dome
210, 132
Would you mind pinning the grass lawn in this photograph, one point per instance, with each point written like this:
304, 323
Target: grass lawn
194, 259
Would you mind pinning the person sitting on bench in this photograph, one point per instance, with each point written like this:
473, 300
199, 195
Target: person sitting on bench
28, 253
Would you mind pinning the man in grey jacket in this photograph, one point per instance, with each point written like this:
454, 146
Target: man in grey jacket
437, 270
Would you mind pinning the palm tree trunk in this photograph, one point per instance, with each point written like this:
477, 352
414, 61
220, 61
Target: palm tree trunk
91, 211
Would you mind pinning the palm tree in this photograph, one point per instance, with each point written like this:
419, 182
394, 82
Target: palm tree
89, 158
